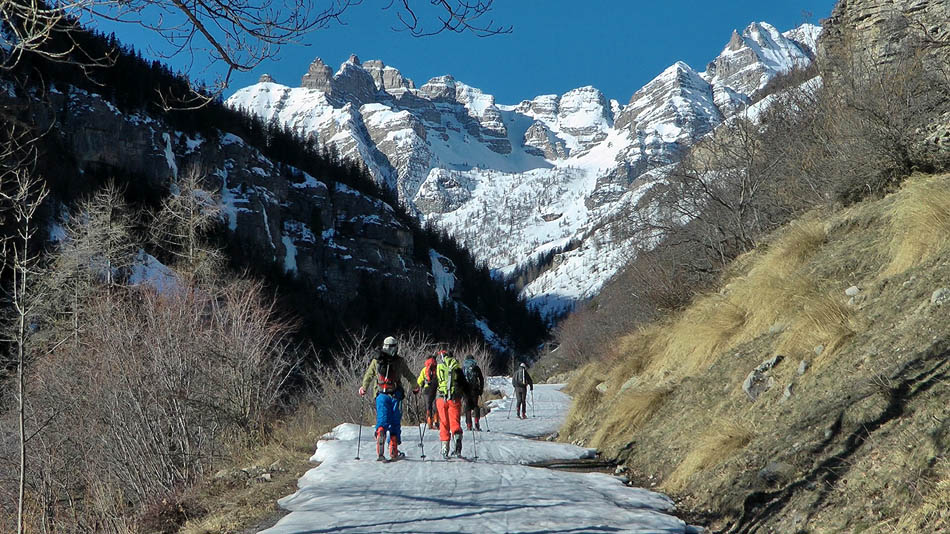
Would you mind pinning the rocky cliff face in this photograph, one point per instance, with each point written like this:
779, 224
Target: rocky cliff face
881, 30
516, 181
877, 35
324, 233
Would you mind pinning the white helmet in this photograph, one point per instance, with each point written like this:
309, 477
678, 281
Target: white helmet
523, 365
389, 345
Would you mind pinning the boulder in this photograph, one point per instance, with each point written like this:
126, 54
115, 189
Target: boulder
940, 296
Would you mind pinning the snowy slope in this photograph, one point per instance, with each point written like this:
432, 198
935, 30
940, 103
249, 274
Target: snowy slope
513, 182
495, 493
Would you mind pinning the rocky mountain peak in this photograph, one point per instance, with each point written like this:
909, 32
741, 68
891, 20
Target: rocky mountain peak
585, 114
543, 107
265, 78
735, 42
318, 76
387, 78
353, 84
806, 36
678, 97
440, 87
751, 59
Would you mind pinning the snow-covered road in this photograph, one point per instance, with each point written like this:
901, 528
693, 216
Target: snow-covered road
495, 493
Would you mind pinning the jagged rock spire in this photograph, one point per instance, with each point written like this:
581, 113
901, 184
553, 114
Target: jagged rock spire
318, 76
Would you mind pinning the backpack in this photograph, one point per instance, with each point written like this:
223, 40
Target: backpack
384, 382
430, 372
473, 375
449, 374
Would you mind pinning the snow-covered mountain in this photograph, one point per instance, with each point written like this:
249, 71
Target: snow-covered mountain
553, 173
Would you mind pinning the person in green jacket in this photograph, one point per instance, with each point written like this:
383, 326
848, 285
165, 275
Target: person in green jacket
388, 369
451, 388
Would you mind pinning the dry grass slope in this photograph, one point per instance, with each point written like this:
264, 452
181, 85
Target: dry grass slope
920, 222
724, 439
665, 382
627, 413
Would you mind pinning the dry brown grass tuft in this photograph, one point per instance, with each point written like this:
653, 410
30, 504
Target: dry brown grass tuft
748, 307
933, 515
919, 222
634, 353
688, 344
819, 319
722, 441
792, 249
586, 397
627, 413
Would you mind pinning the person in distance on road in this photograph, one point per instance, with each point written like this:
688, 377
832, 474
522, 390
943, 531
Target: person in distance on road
389, 369
521, 382
476, 385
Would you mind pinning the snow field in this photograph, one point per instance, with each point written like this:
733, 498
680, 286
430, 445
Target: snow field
495, 493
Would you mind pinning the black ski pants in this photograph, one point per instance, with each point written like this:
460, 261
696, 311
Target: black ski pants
469, 405
428, 397
521, 394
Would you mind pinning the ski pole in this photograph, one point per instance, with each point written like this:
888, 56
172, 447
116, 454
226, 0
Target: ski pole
509, 407
475, 447
534, 413
422, 435
359, 433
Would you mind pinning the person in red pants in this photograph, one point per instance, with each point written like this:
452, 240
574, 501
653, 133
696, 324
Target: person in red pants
449, 402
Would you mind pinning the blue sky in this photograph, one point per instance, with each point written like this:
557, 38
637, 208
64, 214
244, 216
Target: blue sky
556, 45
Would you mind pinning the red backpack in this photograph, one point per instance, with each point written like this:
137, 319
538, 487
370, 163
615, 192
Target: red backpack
430, 372
385, 383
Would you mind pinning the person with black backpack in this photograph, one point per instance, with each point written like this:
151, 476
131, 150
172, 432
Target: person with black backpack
429, 382
388, 368
521, 381
476, 386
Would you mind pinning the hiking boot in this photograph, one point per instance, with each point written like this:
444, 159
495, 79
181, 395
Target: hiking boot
393, 447
445, 450
478, 428
380, 441
457, 451
468, 427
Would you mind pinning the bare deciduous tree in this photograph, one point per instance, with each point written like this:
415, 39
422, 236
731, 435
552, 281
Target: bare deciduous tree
22, 194
98, 246
179, 226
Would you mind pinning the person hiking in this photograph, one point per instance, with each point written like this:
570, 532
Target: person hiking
388, 369
476, 385
451, 389
521, 381
429, 382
